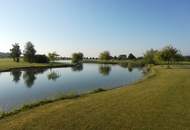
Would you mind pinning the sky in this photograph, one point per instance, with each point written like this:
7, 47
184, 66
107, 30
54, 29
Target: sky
92, 26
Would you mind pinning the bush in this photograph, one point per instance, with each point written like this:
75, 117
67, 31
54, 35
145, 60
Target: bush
77, 57
105, 55
41, 59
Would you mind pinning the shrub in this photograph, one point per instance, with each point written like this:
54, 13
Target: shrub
41, 59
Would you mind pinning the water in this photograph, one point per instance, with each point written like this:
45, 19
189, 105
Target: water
26, 86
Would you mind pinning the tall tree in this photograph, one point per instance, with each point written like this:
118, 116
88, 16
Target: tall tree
169, 54
151, 56
29, 52
77, 57
131, 57
122, 57
53, 56
105, 55
15, 52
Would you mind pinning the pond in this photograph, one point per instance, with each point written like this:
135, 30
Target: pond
20, 87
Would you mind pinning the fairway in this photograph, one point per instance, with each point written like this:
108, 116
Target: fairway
159, 102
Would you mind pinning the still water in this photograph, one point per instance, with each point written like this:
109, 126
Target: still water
20, 87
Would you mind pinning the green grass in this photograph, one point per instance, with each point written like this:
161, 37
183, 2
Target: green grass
134, 63
8, 64
157, 103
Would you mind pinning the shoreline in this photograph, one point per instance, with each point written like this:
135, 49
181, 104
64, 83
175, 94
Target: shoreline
29, 106
42, 66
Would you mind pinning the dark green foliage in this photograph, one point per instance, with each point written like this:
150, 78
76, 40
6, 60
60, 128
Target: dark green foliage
105, 55
150, 57
41, 59
53, 56
15, 52
29, 52
131, 57
169, 54
105, 70
77, 57
53, 76
122, 57
16, 75
78, 67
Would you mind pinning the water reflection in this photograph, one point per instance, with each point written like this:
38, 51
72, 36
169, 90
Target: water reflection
130, 69
78, 67
16, 75
16, 89
53, 75
128, 66
104, 70
29, 76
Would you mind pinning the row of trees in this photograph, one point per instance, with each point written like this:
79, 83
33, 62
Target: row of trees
106, 56
28, 53
169, 54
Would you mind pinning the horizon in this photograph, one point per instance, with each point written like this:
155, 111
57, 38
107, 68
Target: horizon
121, 27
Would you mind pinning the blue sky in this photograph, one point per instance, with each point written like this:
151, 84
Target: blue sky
92, 26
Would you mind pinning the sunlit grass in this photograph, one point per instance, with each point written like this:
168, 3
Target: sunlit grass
159, 102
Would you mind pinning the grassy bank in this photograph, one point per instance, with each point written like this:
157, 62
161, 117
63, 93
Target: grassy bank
159, 102
8, 64
133, 63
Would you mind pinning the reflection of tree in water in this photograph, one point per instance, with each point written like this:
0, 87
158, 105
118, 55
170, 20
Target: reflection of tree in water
78, 67
16, 75
53, 76
105, 70
127, 65
124, 65
29, 76
130, 69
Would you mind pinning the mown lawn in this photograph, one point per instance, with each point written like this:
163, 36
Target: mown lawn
160, 102
8, 64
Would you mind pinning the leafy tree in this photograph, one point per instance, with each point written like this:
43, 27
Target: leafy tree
41, 59
105, 55
131, 57
151, 56
29, 52
169, 54
53, 56
122, 57
77, 57
15, 52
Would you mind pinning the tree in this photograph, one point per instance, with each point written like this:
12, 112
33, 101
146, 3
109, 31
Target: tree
122, 57
41, 59
15, 52
53, 56
151, 56
169, 54
105, 55
29, 52
131, 57
77, 57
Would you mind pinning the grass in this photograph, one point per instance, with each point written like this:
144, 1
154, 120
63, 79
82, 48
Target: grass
8, 64
133, 63
157, 103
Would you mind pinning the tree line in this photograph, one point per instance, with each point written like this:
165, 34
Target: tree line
168, 54
29, 54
